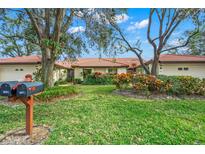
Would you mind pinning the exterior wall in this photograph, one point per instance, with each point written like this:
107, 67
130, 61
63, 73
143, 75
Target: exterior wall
195, 69
9, 72
78, 72
60, 73
102, 70
122, 70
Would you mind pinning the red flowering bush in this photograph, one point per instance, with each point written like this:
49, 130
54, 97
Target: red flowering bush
97, 74
142, 82
123, 80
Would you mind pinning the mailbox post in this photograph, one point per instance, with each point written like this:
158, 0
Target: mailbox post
25, 92
29, 113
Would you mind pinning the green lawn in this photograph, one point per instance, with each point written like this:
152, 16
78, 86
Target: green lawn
100, 117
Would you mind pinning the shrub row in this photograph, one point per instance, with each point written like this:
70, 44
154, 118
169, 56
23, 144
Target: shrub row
60, 82
184, 85
98, 78
177, 85
55, 92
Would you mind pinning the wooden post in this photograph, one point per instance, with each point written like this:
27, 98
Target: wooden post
29, 115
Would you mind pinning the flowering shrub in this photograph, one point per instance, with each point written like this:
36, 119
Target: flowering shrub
185, 85
123, 80
142, 82
98, 78
177, 85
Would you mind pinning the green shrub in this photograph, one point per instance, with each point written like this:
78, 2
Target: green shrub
60, 82
55, 92
77, 81
185, 85
98, 78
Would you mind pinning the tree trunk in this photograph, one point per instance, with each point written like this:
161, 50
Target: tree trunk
47, 68
155, 65
144, 66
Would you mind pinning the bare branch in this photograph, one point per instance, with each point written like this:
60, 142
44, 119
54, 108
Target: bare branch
149, 29
185, 44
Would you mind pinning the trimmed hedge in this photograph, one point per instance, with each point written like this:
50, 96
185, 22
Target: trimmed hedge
55, 92
77, 81
60, 82
98, 78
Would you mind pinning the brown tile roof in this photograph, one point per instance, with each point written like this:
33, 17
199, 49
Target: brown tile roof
105, 62
64, 64
181, 58
132, 62
30, 60
80, 62
21, 60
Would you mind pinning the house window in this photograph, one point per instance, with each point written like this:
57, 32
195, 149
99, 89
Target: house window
179, 68
112, 70
21, 69
17, 69
86, 72
186, 68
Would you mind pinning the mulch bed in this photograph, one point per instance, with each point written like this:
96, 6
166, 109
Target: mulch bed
19, 137
156, 96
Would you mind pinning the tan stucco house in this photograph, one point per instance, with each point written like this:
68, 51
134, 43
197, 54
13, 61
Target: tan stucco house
82, 66
169, 64
16, 68
186, 65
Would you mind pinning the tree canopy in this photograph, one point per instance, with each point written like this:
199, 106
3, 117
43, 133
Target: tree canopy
58, 33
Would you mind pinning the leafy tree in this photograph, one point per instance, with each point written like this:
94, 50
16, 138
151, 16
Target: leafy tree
168, 20
53, 33
13, 37
197, 44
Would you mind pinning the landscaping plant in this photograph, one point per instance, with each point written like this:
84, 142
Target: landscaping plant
98, 78
123, 80
185, 85
55, 92
173, 85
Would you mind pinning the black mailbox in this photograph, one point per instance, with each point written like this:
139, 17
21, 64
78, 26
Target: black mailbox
26, 89
8, 88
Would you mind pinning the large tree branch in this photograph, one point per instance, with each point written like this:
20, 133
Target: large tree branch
34, 23
47, 20
170, 33
68, 21
58, 23
135, 50
183, 45
149, 29
161, 21
171, 23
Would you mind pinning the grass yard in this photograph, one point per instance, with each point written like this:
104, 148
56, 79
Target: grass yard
100, 117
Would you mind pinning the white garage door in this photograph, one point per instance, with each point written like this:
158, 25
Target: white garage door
15, 72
